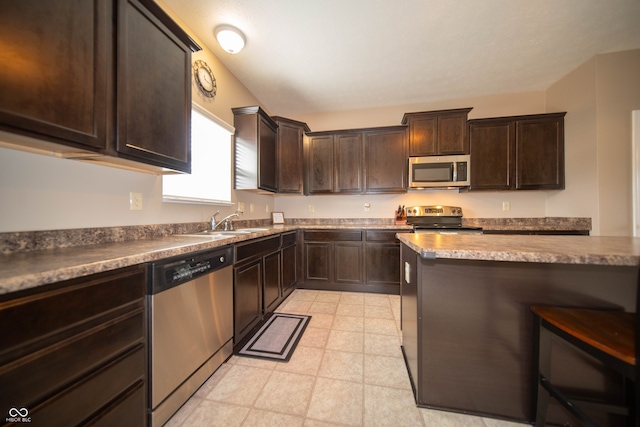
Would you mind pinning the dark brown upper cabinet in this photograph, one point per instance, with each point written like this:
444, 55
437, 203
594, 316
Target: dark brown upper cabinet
433, 133
256, 151
107, 79
153, 66
55, 75
517, 153
371, 160
385, 160
334, 162
289, 139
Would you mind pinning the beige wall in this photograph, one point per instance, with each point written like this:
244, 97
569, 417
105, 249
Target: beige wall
599, 97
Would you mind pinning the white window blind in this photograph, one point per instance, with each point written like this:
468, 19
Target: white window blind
210, 178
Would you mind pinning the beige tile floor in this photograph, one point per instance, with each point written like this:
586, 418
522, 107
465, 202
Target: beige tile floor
347, 370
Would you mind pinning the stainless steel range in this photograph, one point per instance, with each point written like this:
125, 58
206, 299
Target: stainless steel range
438, 220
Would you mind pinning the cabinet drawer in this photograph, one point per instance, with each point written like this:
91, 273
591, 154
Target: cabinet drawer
37, 375
289, 239
333, 235
128, 411
62, 311
382, 235
75, 404
257, 248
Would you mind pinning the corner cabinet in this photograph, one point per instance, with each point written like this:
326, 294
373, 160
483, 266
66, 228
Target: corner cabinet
442, 132
87, 60
74, 352
289, 137
256, 151
358, 161
518, 153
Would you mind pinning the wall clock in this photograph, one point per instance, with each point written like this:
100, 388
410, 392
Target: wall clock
204, 78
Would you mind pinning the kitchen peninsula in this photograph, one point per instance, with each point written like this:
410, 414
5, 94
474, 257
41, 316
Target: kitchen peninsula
466, 321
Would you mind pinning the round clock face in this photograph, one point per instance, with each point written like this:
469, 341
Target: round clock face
204, 78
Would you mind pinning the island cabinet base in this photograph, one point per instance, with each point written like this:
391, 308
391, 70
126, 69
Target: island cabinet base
467, 332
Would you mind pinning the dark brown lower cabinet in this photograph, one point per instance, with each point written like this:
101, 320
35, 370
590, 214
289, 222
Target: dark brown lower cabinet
289, 262
272, 281
247, 298
75, 352
352, 260
261, 266
467, 333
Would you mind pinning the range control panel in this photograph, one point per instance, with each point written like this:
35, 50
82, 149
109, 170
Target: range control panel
436, 210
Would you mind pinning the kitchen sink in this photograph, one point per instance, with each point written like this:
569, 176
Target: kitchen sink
220, 234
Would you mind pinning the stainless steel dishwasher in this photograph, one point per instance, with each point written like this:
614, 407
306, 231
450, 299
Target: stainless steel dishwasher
190, 326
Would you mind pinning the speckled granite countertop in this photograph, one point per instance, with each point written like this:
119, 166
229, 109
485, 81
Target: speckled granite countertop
28, 269
621, 251
31, 259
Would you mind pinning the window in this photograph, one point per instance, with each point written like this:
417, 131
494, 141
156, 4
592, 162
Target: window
210, 178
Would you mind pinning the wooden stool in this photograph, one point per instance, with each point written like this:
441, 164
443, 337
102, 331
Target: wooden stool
607, 335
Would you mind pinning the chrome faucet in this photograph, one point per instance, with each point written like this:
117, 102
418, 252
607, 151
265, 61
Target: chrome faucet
228, 224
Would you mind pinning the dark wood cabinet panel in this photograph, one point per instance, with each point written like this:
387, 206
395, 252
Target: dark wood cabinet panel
382, 263
540, 153
272, 284
267, 156
290, 155
317, 261
492, 154
452, 133
357, 161
264, 273
348, 163
153, 115
423, 136
347, 261
385, 160
247, 298
319, 165
352, 260
440, 132
290, 263
517, 153
54, 78
75, 349
256, 150
133, 109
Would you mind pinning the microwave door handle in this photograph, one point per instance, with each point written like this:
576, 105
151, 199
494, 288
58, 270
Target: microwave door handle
455, 171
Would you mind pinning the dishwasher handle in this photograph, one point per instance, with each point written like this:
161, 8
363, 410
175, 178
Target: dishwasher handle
172, 272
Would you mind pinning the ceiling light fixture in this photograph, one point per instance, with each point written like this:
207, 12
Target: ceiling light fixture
230, 38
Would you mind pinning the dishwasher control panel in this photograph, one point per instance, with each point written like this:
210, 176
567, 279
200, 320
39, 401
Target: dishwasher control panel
174, 271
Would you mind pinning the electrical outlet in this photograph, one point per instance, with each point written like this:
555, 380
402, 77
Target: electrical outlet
252, 208
241, 206
506, 206
367, 207
135, 201
312, 208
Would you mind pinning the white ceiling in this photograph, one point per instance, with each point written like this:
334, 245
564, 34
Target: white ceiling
307, 56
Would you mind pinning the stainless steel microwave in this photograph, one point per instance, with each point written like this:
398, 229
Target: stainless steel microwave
439, 171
